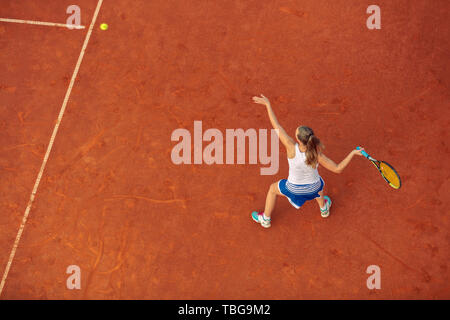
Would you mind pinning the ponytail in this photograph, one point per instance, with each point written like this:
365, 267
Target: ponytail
313, 145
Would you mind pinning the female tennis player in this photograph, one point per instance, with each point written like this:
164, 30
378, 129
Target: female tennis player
304, 182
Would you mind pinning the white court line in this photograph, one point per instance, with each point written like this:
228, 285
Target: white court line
49, 148
50, 24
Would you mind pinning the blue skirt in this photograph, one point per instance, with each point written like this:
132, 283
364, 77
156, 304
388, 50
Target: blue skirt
298, 194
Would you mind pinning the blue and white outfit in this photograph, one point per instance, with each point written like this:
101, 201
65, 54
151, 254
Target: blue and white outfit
303, 183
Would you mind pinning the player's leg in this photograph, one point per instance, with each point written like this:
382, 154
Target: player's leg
264, 217
320, 200
271, 199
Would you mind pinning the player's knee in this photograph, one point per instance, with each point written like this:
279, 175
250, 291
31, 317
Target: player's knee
273, 188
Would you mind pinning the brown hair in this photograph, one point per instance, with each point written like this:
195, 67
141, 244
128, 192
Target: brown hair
313, 145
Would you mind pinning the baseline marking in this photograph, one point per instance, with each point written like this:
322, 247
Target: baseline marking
50, 24
49, 148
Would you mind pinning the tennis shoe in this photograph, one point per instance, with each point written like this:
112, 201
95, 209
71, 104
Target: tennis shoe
259, 218
326, 211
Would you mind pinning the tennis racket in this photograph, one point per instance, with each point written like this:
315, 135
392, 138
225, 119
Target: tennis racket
387, 171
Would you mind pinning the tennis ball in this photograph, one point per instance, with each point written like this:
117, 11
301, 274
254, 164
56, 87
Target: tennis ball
104, 26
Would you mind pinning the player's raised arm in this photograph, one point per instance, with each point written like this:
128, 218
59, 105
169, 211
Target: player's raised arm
285, 139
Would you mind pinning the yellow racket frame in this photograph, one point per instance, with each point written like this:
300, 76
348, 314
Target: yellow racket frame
388, 173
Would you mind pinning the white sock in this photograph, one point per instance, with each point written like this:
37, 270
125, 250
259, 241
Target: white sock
266, 217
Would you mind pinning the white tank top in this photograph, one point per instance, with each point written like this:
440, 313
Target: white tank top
299, 171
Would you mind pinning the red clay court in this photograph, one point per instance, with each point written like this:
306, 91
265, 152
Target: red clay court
111, 201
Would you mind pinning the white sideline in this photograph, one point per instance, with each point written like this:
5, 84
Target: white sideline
49, 148
50, 24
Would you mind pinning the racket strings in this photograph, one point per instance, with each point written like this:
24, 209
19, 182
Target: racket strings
390, 174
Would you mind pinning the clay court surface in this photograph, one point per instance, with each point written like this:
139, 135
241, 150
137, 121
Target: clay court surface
140, 227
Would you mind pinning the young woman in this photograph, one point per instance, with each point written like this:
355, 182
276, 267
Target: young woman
304, 182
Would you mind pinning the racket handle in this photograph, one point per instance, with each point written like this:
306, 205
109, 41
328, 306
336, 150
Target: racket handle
365, 154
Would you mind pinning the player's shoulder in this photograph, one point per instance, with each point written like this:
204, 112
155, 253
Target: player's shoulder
291, 144
321, 156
